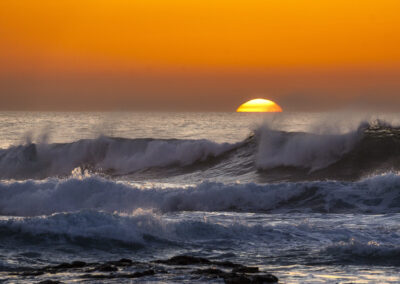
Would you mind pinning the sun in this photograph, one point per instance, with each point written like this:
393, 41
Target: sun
259, 105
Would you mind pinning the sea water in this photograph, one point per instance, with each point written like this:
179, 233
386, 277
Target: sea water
308, 197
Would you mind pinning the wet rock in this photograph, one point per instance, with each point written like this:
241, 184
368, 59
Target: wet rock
265, 278
32, 273
78, 264
184, 260
239, 278
245, 269
227, 264
125, 261
210, 271
122, 262
49, 282
110, 270
143, 273
63, 265
233, 278
107, 268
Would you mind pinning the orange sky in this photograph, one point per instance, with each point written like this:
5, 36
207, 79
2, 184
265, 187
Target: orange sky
132, 52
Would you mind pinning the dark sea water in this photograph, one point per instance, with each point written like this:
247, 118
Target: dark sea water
308, 197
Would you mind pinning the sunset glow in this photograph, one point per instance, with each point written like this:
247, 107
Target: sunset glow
180, 54
161, 109
132, 34
259, 105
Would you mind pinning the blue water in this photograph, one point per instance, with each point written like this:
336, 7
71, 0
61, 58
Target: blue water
309, 197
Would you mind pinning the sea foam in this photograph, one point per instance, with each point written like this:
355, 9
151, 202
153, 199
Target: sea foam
377, 194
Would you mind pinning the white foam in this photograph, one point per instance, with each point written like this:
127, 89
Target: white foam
306, 150
120, 156
133, 228
367, 250
313, 151
377, 194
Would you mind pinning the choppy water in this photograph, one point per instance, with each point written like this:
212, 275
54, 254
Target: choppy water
309, 197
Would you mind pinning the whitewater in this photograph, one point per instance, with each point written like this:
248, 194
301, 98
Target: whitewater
307, 197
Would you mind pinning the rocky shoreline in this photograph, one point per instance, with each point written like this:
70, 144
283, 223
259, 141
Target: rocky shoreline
199, 268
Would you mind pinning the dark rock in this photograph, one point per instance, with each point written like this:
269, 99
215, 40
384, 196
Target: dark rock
143, 273
107, 268
125, 260
32, 273
233, 278
265, 278
184, 260
245, 269
210, 271
240, 273
227, 264
122, 262
78, 264
63, 265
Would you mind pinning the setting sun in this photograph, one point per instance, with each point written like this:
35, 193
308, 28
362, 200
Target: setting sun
259, 105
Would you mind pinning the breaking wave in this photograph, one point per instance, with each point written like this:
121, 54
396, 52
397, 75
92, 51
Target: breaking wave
303, 150
267, 155
378, 194
137, 229
372, 148
370, 252
105, 154
88, 229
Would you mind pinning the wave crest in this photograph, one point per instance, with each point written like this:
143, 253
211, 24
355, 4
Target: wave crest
303, 150
105, 154
365, 252
377, 194
268, 155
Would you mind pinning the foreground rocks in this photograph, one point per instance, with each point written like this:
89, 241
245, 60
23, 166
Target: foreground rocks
239, 273
184, 260
198, 267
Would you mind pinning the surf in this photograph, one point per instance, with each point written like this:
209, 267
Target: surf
375, 195
267, 155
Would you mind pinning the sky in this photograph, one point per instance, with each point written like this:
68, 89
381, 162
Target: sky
198, 55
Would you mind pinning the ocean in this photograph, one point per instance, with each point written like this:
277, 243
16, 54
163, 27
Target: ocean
126, 197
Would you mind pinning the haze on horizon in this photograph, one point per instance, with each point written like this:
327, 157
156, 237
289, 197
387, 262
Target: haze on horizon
198, 55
